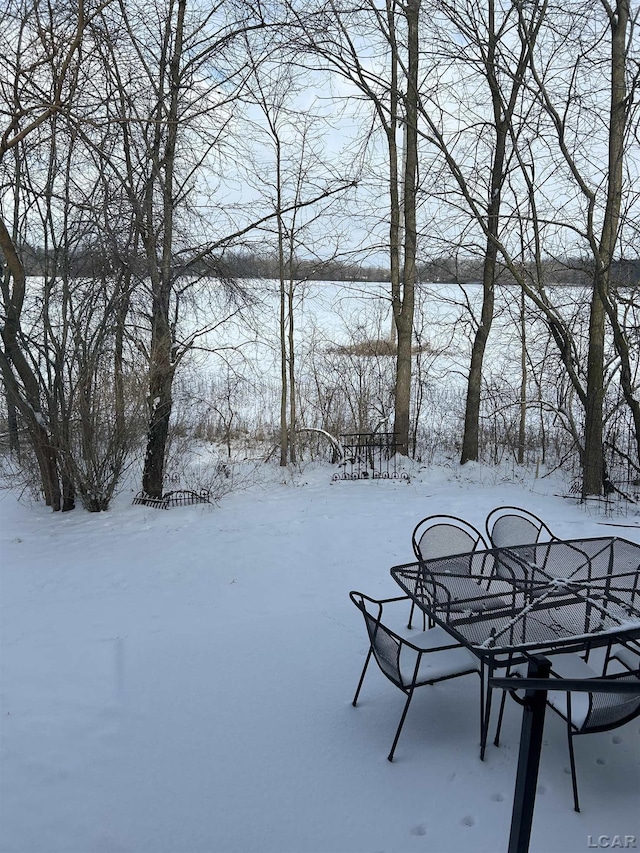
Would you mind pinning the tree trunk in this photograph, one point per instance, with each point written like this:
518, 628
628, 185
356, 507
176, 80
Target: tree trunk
282, 327
593, 462
404, 310
593, 473
284, 443
292, 363
159, 403
162, 366
12, 426
471, 437
26, 395
391, 130
522, 427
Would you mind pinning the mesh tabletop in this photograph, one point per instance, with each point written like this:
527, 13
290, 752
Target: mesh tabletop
531, 597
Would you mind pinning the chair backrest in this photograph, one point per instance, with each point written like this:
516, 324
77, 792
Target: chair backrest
510, 525
444, 536
385, 645
593, 712
610, 710
628, 654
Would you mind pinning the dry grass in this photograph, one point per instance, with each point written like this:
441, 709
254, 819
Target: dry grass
374, 347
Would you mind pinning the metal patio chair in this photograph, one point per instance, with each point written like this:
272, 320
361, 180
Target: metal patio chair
511, 525
627, 654
588, 713
443, 536
429, 657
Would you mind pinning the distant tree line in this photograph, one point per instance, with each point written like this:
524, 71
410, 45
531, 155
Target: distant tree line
247, 264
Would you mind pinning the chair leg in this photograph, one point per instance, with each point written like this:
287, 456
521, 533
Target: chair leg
424, 618
496, 740
364, 669
485, 706
485, 722
482, 670
503, 700
400, 725
574, 778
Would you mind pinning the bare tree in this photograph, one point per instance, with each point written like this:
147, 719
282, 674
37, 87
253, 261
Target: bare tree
574, 110
173, 83
41, 55
288, 165
481, 45
376, 49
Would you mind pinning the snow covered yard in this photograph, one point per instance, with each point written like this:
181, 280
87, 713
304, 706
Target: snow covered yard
180, 682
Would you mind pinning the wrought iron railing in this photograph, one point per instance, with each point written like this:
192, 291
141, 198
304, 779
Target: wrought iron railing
369, 455
179, 497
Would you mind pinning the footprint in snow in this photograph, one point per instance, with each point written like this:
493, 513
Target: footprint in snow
541, 789
600, 761
468, 821
497, 797
616, 739
420, 829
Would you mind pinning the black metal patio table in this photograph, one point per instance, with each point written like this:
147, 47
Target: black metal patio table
506, 604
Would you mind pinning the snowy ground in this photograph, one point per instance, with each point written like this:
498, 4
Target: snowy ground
180, 681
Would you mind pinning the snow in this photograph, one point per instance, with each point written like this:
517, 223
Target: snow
180, 681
